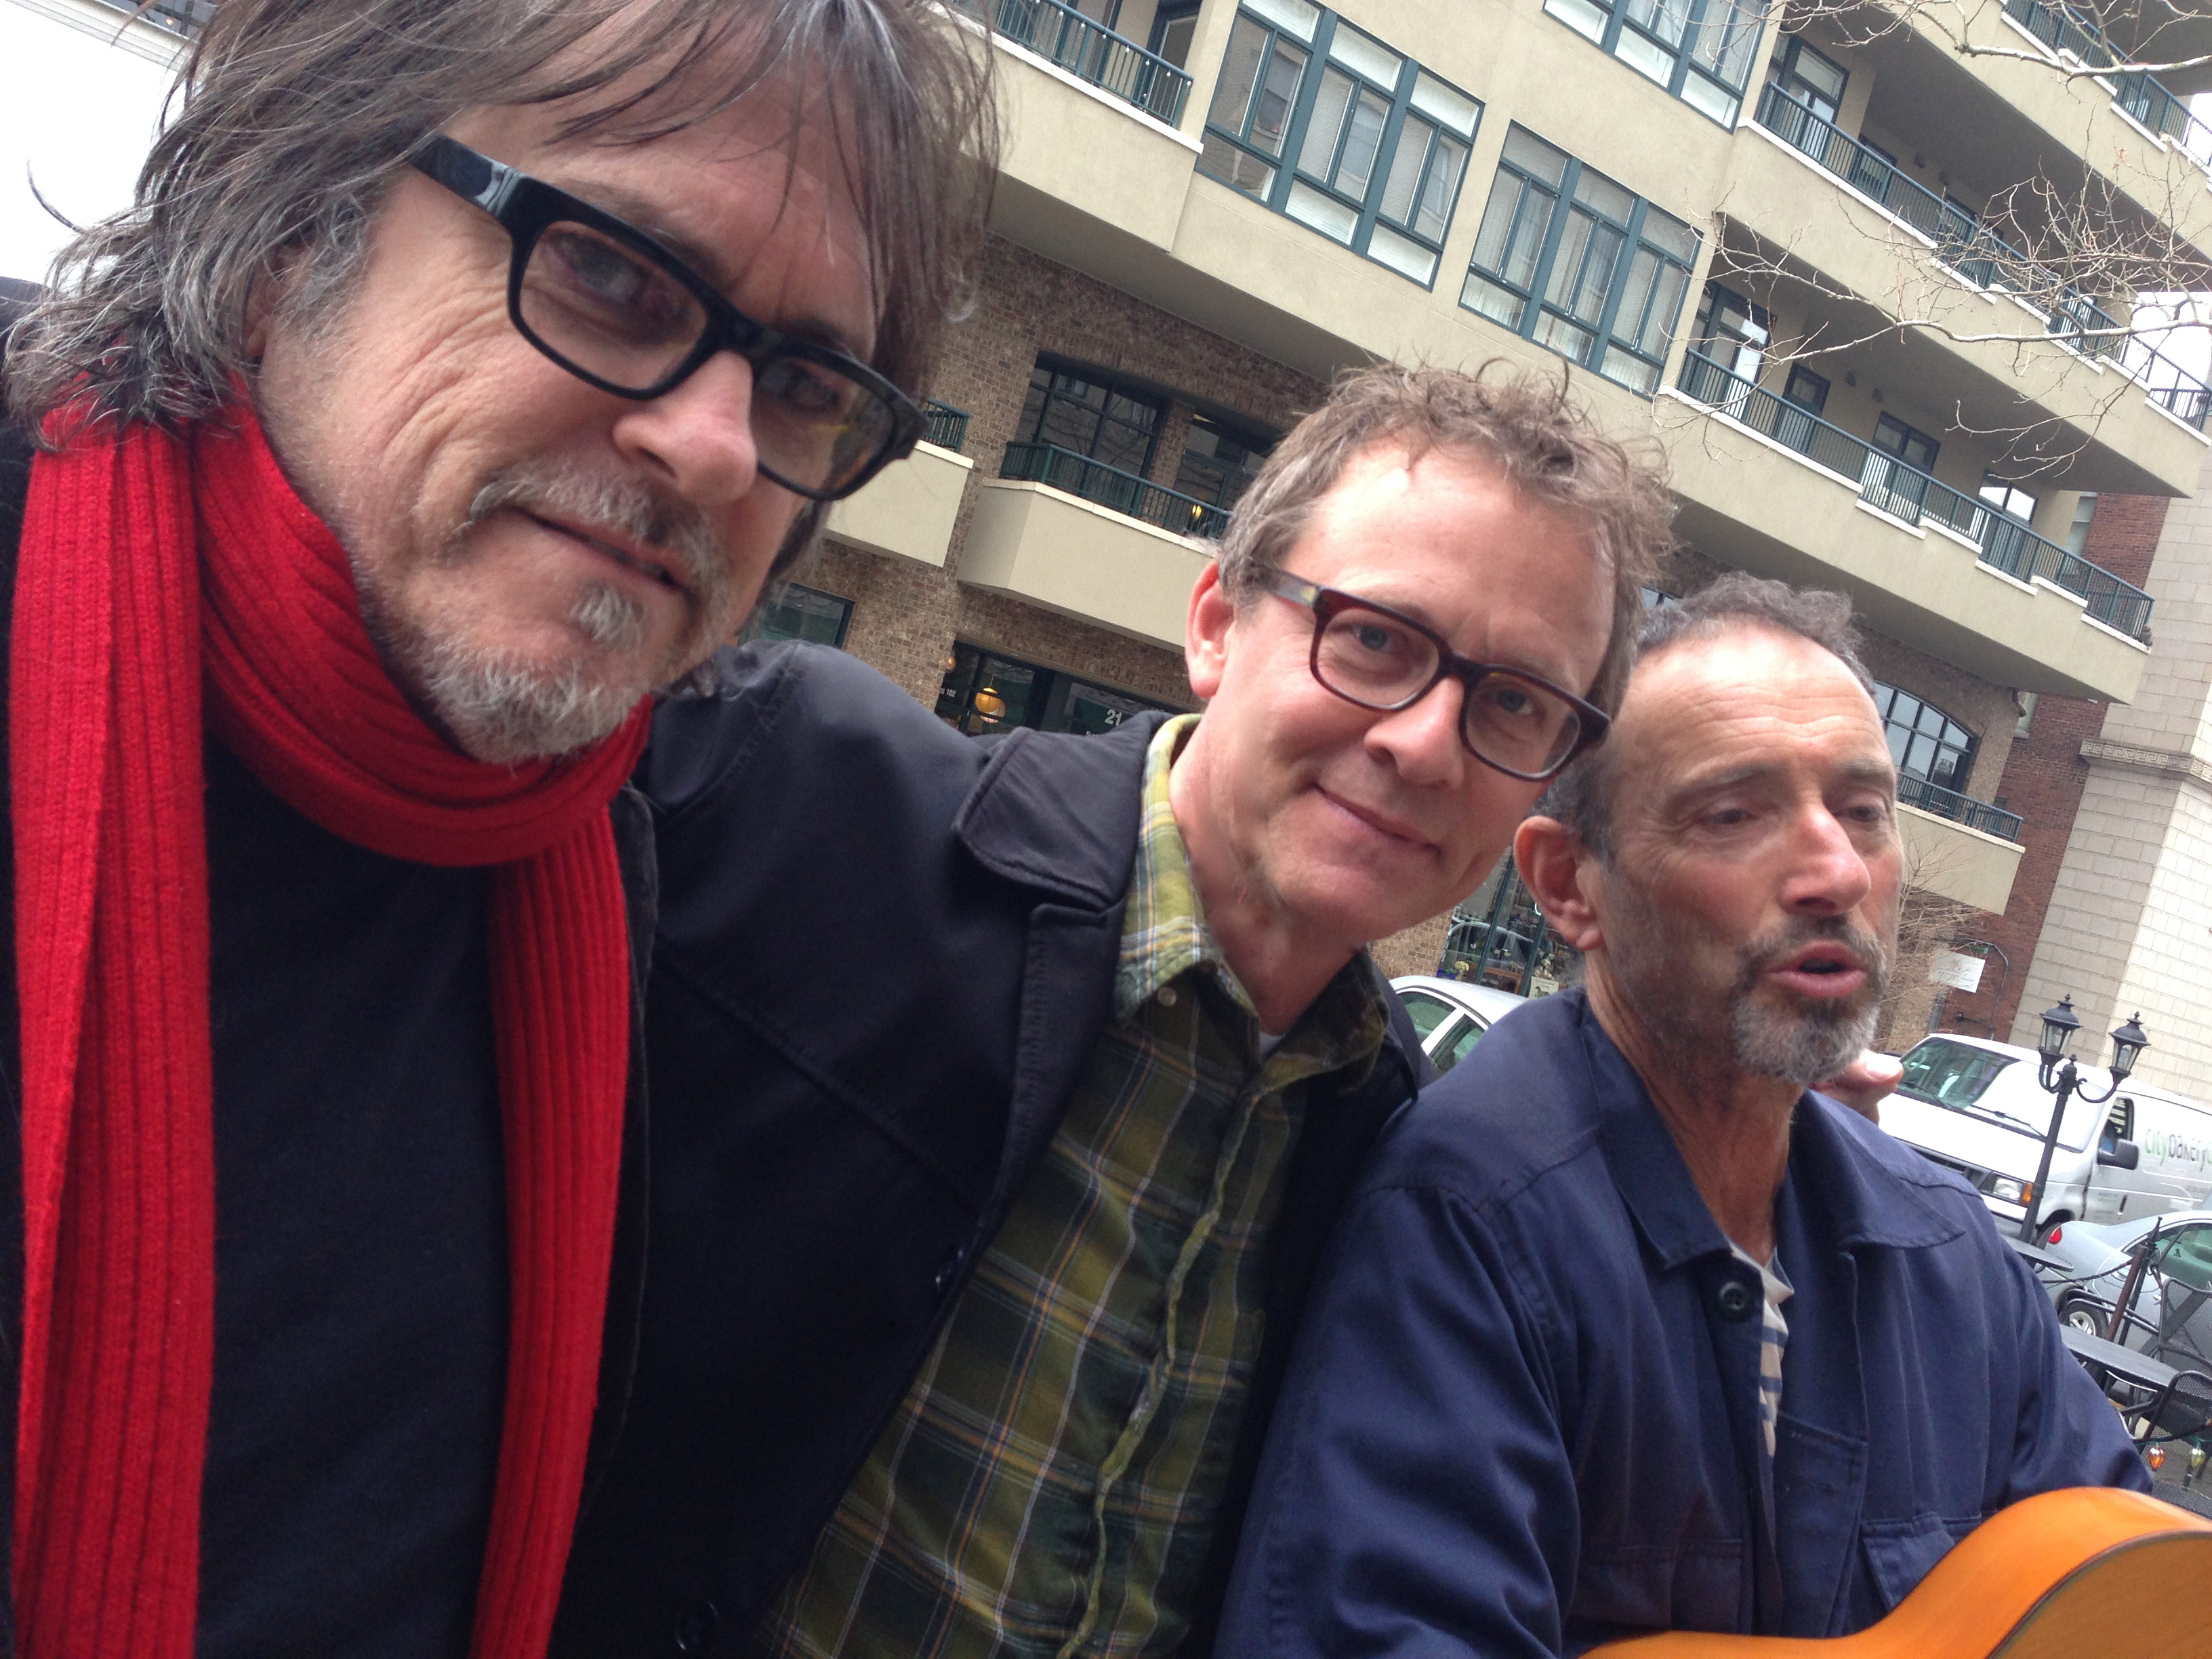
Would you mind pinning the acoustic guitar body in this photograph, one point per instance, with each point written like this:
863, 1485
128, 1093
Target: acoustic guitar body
2086, 1574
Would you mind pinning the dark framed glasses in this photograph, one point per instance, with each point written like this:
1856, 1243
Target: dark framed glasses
621, 312
1371, 655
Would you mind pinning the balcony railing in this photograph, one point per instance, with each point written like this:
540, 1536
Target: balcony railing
1917, 497
1110, 486
1959, 809
946, 427
1090, 51
185, 17
2062, 28
1985, 259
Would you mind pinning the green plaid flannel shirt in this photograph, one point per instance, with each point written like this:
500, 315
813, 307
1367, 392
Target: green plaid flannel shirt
1049, 1485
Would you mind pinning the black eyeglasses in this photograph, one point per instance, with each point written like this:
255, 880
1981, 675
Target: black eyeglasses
620, 312
1369, 655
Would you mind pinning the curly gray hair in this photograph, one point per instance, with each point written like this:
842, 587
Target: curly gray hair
293, 118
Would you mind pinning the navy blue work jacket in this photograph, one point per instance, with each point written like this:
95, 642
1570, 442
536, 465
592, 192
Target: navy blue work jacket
1522, 1416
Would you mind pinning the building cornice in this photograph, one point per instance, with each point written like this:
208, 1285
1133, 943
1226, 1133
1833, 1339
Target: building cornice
2173, 762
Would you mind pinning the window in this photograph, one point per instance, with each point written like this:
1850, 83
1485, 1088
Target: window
2119, 1125
1803, 74
984, 692
1698, 50
2007, 497
1173, 25
793, 612
1949, 1073
1892, 487
1808, 391
1925, 742
2077, 533
1377, 144
1425, 1011
1089, 416
1571, 260
2026, 720
1219, 460
1731, 331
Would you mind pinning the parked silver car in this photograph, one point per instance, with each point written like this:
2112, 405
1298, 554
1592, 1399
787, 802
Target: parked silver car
1450, 1014
2170, 1315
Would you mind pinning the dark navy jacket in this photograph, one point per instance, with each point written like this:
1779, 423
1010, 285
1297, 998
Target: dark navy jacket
1521, 1419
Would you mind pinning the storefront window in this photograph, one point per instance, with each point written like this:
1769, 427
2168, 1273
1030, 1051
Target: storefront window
984, 692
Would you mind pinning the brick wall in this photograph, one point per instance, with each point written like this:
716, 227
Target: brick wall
906, 616
2043, 780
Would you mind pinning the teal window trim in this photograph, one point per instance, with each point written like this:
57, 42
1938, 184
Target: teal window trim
1714, 39
1534, 296
1365, 225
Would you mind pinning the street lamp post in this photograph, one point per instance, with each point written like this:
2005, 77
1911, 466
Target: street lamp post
2056, 1075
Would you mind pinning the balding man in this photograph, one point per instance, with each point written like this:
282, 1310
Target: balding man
1625, 1330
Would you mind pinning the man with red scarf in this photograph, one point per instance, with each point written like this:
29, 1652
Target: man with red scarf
463, 371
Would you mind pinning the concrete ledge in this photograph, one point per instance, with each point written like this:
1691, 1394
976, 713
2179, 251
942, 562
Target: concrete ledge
908, 510
1048, 548
2173, 761
1970, 866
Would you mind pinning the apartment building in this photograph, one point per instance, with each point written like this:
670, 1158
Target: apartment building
1803, 256
1796, 258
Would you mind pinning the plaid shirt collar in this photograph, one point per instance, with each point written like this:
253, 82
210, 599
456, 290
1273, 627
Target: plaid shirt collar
1164, 937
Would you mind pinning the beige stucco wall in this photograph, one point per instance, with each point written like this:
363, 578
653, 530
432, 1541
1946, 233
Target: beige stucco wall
908, 509
1071, 556
1776, 514
1960, 864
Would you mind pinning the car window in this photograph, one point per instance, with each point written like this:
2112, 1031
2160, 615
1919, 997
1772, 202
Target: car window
1949, 1073
1427, 1011
2119, 1125
1458, 1047
2187, 1255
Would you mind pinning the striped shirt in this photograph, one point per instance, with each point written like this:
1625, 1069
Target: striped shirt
1773, 1338
1049, 1485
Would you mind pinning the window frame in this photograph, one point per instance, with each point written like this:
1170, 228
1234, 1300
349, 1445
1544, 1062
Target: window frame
1582, 15
1114, 386
780, 595
1885, 700
1288, 167
1535, 303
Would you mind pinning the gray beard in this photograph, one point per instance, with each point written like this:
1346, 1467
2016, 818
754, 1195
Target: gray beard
1801, 1045
503, 709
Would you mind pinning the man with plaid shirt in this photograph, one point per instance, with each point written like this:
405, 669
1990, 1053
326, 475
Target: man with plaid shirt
1419, 610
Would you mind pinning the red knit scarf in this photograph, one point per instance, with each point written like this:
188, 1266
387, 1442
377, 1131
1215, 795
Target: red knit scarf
151, 566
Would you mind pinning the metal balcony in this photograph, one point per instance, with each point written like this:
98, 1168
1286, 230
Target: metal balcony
2143, 97
1110, 487
1090, 51
1959, 809
1985, 260
946, 427
1903, 492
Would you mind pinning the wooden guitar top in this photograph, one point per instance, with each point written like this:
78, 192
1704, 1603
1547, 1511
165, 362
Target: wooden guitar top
2091, 1573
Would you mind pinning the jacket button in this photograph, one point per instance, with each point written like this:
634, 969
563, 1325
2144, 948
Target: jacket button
1734, 1299
696, 1625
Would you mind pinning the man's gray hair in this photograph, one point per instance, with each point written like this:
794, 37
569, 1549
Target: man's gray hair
1523, 424
1582, 797
293, 118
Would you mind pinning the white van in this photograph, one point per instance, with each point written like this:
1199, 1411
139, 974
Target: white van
1974, 1106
